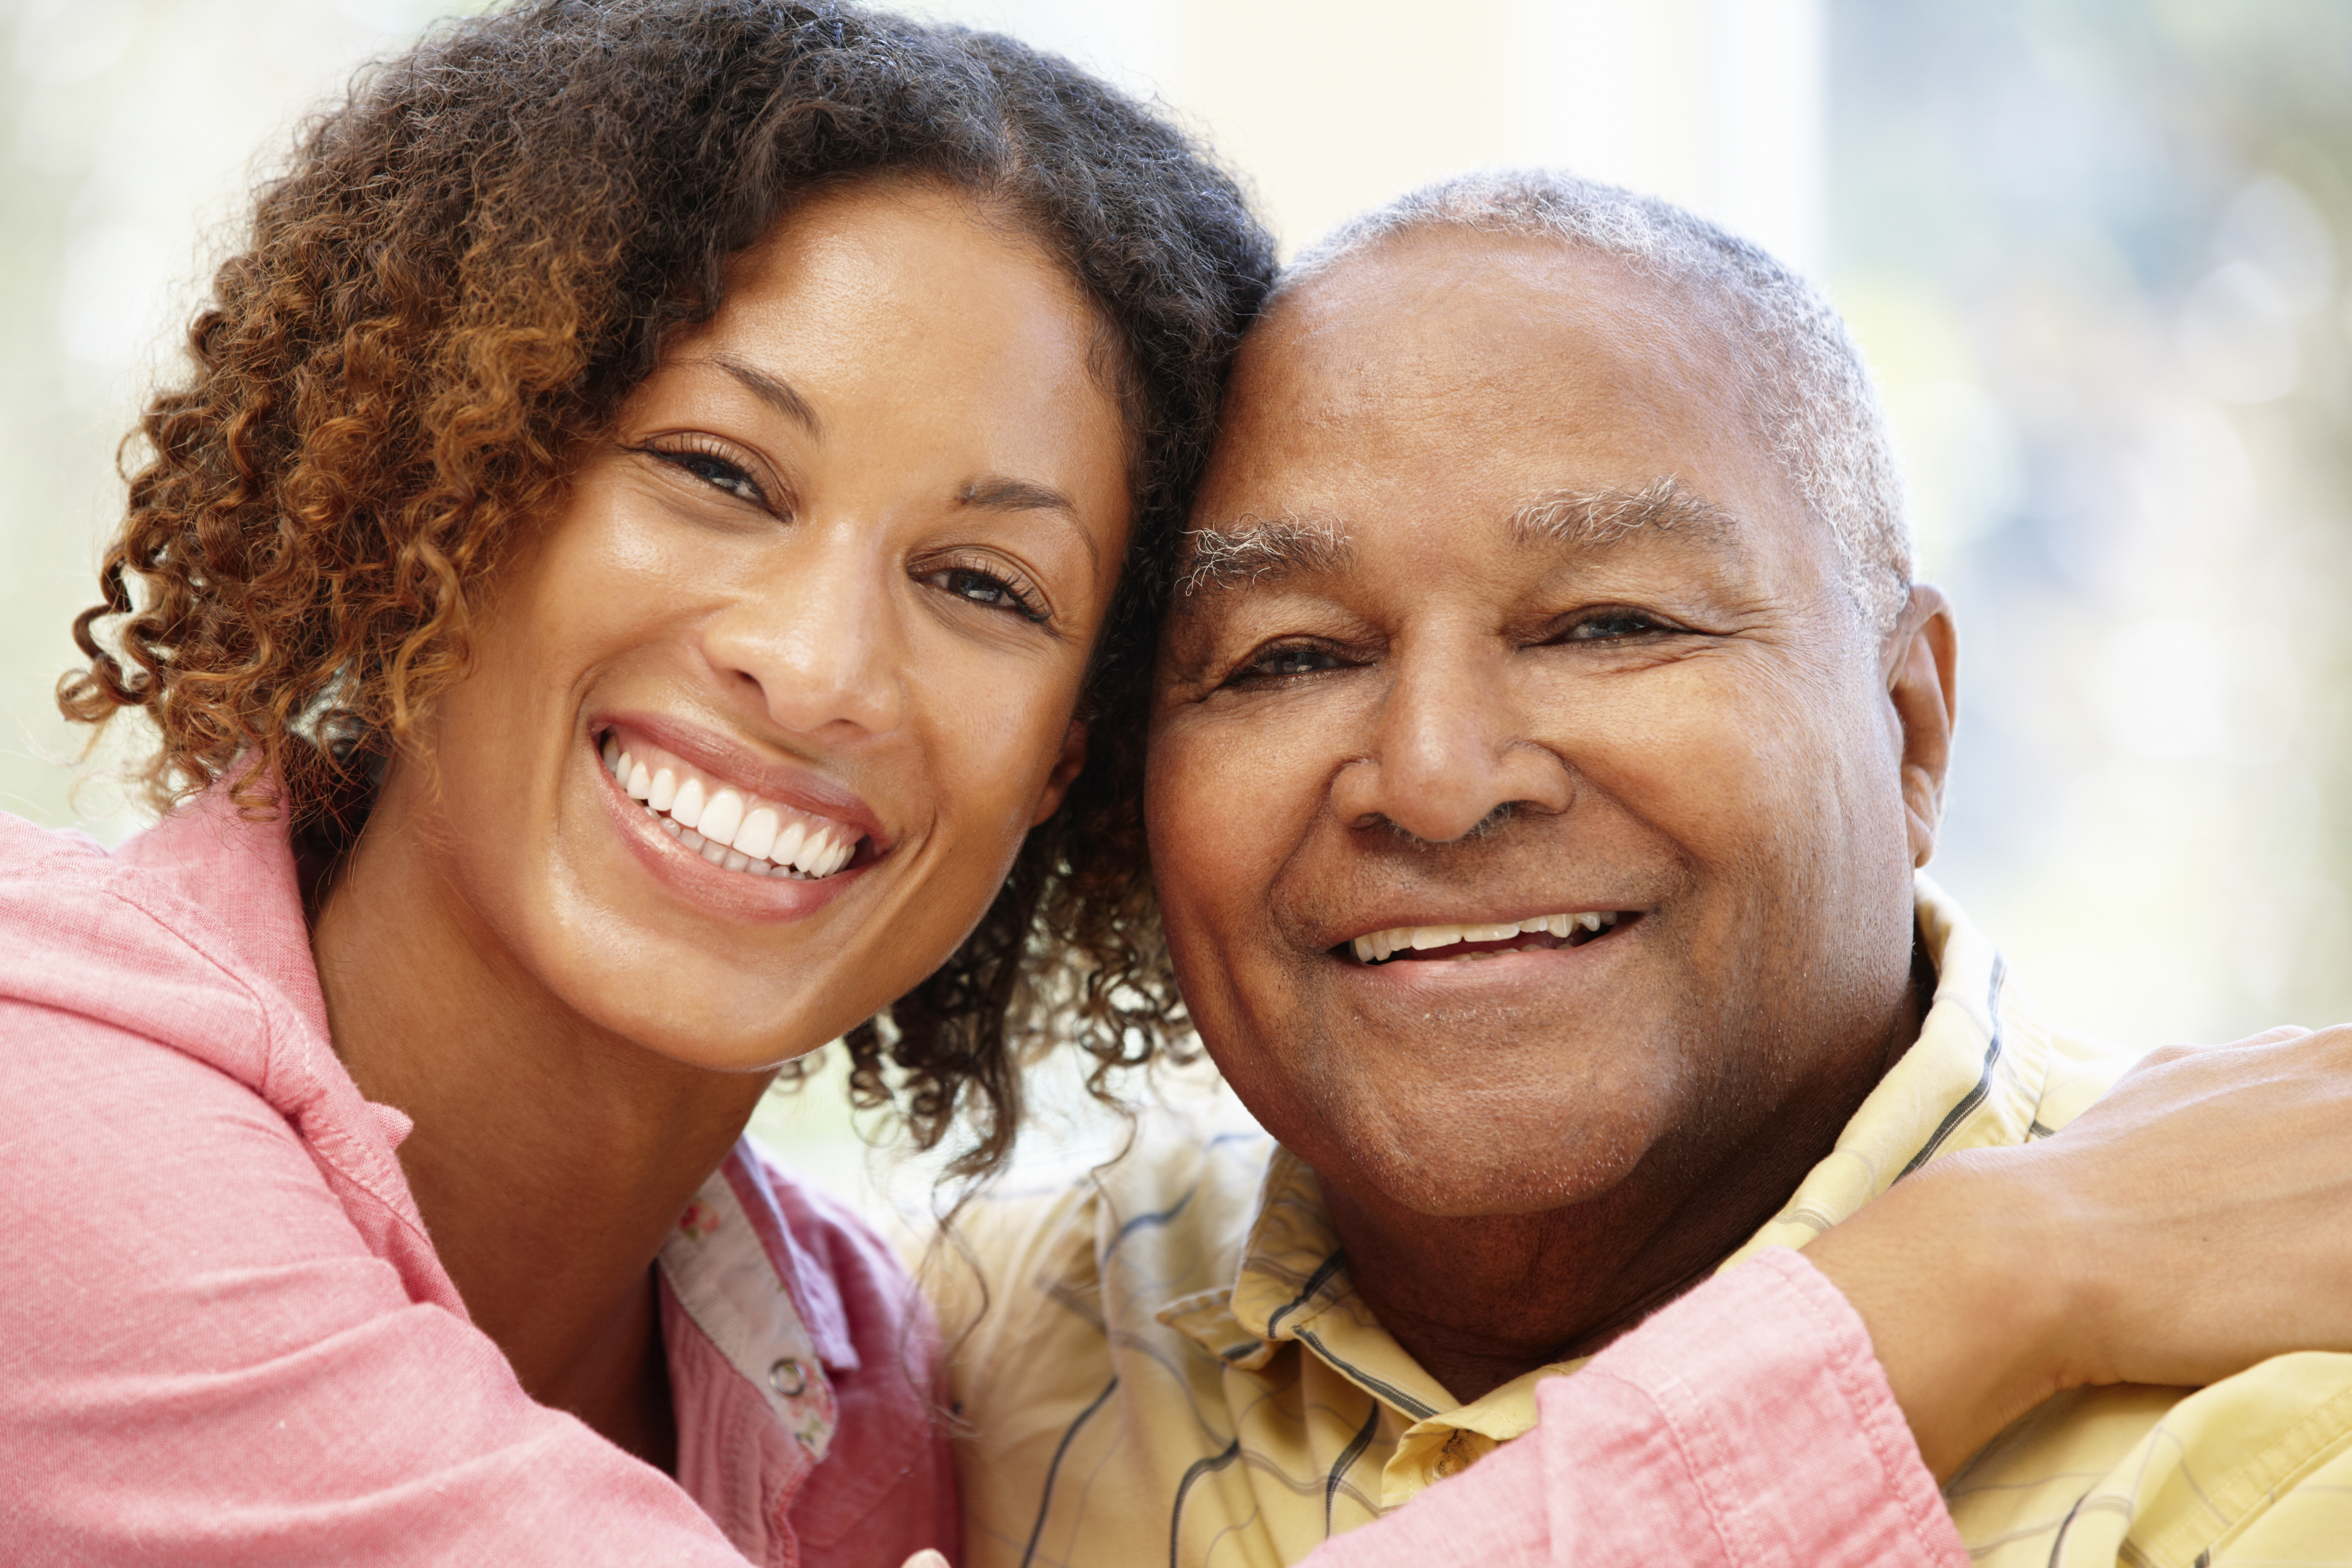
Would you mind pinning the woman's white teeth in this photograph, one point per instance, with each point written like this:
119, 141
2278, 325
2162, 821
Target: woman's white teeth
1377, 946
721, 817
727, 829
758, 833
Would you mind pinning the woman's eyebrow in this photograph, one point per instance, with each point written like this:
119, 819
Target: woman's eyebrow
777, 394
993, 493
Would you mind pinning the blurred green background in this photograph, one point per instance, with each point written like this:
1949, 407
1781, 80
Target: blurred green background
2094, 249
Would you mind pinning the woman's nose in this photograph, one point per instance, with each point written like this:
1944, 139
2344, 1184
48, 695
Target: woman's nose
817, 637
1449, 745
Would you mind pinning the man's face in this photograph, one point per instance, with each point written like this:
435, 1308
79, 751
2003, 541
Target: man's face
1504, 614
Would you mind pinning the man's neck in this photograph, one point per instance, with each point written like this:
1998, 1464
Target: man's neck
550, 1158
1479, 1300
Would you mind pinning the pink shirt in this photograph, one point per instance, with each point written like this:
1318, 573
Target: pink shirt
1746, 1426
225, 1337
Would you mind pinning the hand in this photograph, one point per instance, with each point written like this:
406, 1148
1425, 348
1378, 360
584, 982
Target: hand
2196, 1220
926, 1558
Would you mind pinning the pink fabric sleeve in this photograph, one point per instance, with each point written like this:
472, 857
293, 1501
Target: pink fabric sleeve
1748, 1424
202, 1362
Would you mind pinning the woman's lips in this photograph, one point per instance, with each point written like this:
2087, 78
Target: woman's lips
722, 762
735, 829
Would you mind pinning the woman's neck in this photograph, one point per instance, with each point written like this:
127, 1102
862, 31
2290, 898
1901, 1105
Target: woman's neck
550, 1157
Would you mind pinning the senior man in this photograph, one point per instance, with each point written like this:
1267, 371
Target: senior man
1547, 736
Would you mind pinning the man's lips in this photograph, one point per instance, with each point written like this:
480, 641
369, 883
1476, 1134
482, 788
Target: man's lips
1447, 940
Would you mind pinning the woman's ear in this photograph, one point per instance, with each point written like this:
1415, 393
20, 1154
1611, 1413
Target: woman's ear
1923, 684
1065, 768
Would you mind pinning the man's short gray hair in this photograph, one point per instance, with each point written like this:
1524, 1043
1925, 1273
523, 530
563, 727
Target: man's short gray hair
1811, 394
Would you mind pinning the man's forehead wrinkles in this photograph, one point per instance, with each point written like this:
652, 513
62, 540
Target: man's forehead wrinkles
1591, 519
1248, 549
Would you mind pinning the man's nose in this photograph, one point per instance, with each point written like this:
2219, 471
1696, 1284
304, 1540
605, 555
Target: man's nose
816, 638
1450, 743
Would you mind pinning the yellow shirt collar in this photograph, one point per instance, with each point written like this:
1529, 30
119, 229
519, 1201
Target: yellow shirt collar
1973, 1080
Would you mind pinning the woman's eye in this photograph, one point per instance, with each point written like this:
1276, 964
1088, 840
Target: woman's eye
1283, 663
986, 588
715, 471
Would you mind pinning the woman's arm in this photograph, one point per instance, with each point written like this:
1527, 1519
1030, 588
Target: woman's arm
2191, 1224
1747, 1424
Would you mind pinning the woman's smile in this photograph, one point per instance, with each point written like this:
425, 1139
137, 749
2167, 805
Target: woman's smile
735, 829
743, 836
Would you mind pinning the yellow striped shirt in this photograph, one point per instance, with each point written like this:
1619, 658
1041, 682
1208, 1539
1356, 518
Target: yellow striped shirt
1173, 1365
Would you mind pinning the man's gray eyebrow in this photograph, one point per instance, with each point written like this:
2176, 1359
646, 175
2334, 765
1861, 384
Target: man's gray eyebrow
1248, 550
775, 394
1590, 519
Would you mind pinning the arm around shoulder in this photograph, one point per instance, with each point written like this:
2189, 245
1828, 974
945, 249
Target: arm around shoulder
1747, 1424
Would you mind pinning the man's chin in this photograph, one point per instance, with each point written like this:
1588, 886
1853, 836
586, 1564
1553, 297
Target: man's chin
1493, 1169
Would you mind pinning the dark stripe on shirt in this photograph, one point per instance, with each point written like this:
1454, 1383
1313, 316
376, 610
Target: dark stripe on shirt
1388, 1391
1198, 1468
1046, 1497
1331, 1265
1140, 1221
1347, 1457
1976, 1095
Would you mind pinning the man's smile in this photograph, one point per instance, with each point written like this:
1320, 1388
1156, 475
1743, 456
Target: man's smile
1442, 940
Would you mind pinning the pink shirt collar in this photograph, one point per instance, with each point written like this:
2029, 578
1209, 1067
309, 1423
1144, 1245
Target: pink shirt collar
755, 1325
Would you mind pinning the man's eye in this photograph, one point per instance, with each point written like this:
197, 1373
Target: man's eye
1281, 663
1612, 626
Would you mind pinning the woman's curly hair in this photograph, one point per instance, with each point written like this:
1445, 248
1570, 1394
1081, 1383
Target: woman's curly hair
470, 264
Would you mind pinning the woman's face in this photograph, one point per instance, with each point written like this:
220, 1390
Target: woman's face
757, 725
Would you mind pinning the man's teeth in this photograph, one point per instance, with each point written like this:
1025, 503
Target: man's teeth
728, 829
1379, 944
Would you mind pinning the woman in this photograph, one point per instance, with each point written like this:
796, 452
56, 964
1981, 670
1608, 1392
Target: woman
620, 598
631, 589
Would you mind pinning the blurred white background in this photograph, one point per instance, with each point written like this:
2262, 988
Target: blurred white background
2091, 247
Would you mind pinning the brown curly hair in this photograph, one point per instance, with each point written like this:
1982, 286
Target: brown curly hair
471, 262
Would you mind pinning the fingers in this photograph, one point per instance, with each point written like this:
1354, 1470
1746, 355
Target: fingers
2202, 1203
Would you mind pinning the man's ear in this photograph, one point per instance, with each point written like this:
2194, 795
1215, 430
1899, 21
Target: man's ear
1065, 768
1922, 669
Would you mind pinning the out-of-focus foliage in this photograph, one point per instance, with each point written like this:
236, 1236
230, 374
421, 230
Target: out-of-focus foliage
2095, 248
